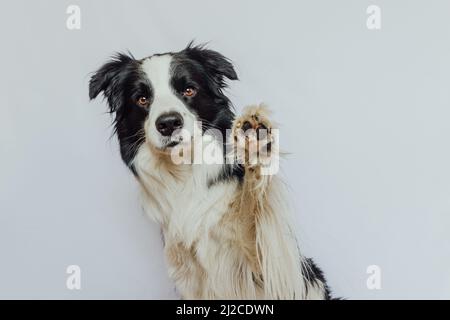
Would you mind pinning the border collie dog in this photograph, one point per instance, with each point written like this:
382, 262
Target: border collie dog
225, 224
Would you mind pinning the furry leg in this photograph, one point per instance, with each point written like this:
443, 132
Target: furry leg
261, 200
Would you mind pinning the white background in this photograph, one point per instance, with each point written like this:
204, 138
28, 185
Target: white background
364, 114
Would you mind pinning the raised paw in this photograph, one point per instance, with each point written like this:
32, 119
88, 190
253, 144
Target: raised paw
253, 137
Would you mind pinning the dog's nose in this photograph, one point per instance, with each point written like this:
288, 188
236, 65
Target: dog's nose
167, 123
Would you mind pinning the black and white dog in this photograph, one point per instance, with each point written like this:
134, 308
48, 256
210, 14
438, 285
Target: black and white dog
225, 224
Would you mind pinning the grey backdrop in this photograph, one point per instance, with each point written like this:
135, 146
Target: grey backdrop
364, 115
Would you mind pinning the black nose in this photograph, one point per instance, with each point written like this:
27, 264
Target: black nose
167, 123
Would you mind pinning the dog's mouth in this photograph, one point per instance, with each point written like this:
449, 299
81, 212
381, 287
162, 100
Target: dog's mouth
172, 144
183, 139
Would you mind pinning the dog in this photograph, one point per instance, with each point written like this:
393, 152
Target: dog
226, 226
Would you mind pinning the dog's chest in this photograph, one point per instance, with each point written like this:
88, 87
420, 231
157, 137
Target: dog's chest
181, 199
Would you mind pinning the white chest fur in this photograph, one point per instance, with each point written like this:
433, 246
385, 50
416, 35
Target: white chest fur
212, 252
179, 198
189, 211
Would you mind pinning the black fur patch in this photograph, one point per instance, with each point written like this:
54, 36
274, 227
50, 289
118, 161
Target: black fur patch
122, 82
313, 274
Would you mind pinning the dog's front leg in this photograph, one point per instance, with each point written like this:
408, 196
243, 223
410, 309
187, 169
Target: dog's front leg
261, 199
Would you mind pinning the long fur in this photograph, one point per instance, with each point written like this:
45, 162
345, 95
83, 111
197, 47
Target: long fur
226, 227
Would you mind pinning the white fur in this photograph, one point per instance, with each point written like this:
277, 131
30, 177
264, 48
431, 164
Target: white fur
189, 212
203, 253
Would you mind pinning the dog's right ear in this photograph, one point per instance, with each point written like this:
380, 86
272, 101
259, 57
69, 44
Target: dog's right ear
107, 77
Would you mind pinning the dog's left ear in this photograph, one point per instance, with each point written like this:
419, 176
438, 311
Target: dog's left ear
215, 63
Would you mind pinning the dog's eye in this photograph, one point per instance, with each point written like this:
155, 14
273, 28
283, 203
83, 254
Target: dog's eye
189, 92
143, 101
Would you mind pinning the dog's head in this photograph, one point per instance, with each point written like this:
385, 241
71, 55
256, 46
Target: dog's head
154, 98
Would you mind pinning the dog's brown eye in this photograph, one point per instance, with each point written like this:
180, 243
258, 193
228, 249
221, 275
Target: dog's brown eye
143, 102
189, 92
